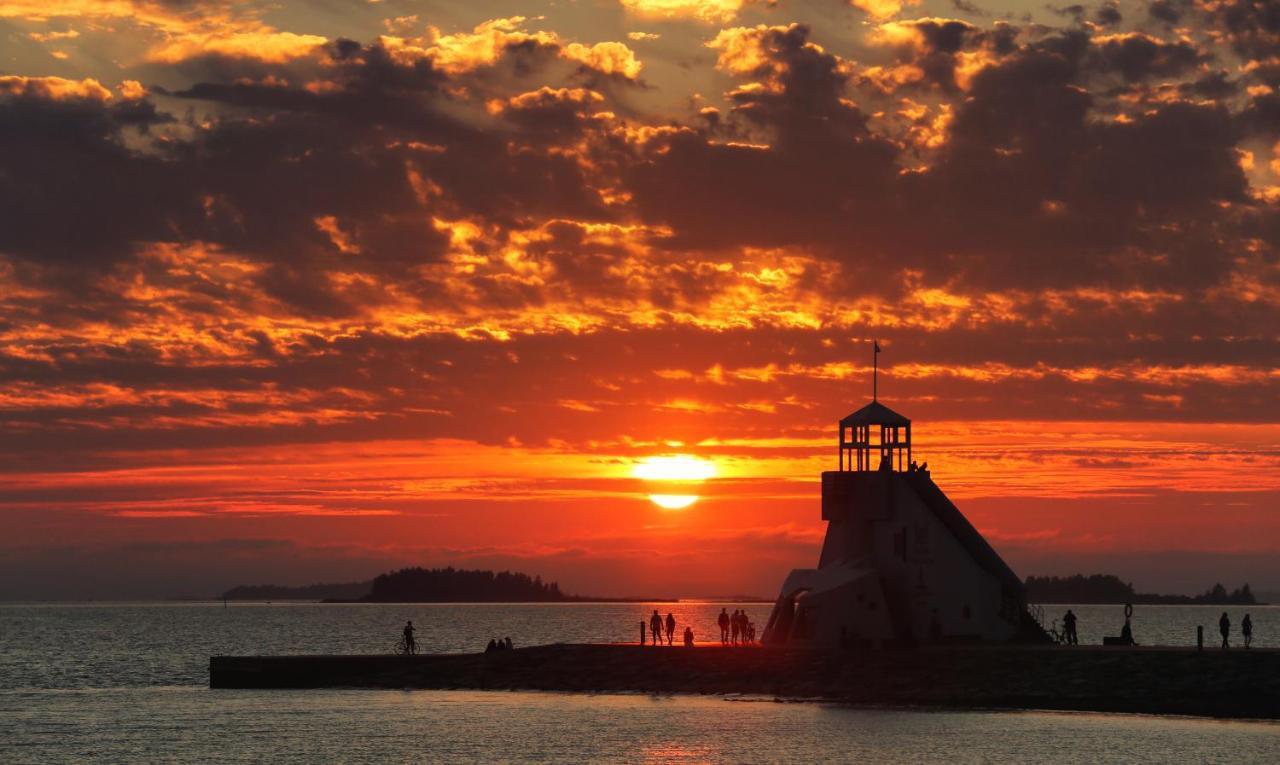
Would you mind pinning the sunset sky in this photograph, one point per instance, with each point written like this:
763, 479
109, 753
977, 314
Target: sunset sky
302, 290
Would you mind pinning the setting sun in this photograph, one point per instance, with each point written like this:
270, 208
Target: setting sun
673, 501
680, 469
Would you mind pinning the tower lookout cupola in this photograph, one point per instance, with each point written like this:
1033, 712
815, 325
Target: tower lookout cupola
875, 438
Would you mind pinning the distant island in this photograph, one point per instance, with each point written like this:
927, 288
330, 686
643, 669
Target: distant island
1110, 589
451, 585
429, 585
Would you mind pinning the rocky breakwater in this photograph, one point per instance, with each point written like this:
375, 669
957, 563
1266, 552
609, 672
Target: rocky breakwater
1238, 684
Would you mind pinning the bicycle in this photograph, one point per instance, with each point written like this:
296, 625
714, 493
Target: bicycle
405, 648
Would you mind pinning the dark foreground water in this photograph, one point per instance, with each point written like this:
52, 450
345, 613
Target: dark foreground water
126, 683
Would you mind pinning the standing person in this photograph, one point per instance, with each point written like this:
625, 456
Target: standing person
724, 626
410, 645
655, 626
1224, 626
1069, 628
671, 629
1246, 629
735, 627
642, 638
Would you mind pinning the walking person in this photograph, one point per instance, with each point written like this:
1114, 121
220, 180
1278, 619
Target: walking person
723, 621
1224, 626
671, 629
1246, 629
655, 627
410, 645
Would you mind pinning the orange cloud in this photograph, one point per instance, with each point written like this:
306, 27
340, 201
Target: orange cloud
882, 9
463, 52
703, 10
54, 88
264, 44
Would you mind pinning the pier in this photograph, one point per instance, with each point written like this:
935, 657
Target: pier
1212, 683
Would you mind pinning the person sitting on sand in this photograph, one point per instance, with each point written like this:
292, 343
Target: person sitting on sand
1246, 629
655, 626
410, 645
724, 626
1224, 626
671, 629
688, 636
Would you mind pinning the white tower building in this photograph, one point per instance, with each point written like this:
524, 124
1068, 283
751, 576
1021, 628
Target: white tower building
900, 564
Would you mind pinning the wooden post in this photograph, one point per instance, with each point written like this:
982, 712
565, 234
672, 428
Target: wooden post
1200, 637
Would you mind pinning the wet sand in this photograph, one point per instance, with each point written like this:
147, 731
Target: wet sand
1214, 683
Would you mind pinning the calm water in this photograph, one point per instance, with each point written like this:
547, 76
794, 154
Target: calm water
126, 683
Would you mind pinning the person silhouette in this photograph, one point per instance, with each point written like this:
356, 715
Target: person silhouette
671, 629
1126, 633
1246, 629
493, 646
507, 643
642, 637
1224, 626
655, 627
688, 636
1069, 629
410, 645
723, 621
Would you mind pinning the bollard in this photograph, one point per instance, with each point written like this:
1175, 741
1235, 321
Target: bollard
1200, 637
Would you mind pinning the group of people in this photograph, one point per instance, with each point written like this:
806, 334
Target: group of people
1246, 630
657, 625
499, 644
736, 628
1069, 636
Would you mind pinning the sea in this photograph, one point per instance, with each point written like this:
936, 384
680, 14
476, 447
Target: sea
128, 683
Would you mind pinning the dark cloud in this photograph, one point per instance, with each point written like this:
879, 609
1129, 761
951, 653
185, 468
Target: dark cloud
71, 188
1139, 57
1109, 14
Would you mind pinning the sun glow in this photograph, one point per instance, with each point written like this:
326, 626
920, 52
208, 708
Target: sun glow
673, 501
678, 471
679, 467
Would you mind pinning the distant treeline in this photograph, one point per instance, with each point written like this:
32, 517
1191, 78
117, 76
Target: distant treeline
433, 585
1108, 588
451, 585
343, 591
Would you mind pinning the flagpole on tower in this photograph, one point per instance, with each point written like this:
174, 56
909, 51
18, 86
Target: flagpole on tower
875, 370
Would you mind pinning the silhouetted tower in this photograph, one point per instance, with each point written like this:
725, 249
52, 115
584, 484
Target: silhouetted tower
875, 438
900, 564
